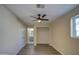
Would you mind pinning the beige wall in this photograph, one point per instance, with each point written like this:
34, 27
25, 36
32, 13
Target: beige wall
60, 34
11, 33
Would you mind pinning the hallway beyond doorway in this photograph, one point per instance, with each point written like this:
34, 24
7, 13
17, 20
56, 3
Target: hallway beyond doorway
40, 49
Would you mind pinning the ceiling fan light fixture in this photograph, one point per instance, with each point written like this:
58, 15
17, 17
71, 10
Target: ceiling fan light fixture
39, 21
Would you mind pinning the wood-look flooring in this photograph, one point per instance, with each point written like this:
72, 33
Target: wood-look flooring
40, 49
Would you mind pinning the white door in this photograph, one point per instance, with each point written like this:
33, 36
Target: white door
42, 35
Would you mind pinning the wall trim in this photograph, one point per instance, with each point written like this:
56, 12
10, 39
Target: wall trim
20, 49
42, 43
56, 49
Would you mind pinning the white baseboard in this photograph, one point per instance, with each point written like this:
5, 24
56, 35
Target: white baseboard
42, 43
30, 43
56, 49
20, 49
50, 44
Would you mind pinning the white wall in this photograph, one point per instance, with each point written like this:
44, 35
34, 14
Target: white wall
11, 30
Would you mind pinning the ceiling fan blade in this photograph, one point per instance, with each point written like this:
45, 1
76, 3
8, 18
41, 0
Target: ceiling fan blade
33, 16
44, 19
39, 15
43, 15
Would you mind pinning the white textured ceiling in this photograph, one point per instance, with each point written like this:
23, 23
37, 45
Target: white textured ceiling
53, 11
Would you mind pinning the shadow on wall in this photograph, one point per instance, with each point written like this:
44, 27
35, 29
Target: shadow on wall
12, 31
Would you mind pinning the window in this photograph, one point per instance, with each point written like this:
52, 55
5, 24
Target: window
75, 27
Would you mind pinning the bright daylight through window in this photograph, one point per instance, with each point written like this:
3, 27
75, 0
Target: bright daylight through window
75, 27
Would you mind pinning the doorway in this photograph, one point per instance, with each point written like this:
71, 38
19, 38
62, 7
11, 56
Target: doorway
30, 35
42, 35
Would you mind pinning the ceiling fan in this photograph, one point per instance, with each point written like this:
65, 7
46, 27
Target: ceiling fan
40, 18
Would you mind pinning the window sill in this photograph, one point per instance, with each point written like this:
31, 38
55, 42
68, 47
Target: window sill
75, 37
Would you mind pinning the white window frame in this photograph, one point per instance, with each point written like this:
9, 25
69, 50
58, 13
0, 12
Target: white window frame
73, 27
